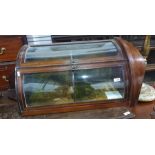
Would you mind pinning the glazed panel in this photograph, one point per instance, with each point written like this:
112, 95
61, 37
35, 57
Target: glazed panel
99, 84
69, 87
48, 88
71, 51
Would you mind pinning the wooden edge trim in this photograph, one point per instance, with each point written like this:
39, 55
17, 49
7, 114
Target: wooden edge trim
137, 69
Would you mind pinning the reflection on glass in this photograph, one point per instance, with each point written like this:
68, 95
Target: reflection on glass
73, 86
99, 84
71, 51
48, 88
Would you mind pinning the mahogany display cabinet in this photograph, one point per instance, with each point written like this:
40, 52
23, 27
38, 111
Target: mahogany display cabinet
65, 77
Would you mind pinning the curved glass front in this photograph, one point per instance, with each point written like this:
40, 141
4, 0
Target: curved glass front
71, 87
71, 51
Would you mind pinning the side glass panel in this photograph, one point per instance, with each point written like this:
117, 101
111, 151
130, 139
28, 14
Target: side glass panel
99, 84
42, 89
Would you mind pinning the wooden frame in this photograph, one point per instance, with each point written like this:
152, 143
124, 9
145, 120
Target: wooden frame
128, 57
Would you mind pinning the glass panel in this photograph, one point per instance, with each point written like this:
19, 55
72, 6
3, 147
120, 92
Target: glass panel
96, 50
48, 88
71, 51
99, 84
57, 88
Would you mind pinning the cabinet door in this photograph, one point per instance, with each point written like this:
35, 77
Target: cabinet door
99, 84
52, 88
74, 86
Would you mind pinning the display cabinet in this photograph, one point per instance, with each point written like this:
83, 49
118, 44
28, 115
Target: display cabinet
65, 77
